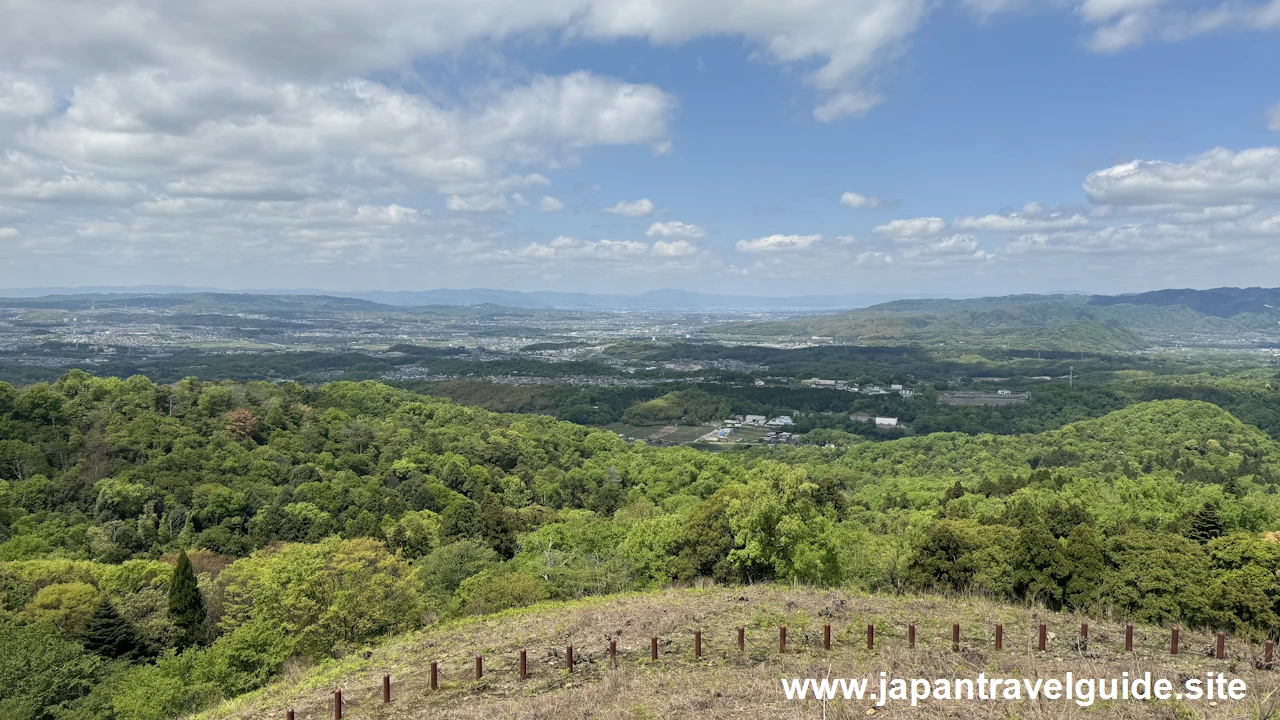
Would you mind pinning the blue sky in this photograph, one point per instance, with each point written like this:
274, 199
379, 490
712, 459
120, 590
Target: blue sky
997, 146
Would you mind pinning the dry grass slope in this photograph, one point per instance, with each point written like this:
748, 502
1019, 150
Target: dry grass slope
729, 684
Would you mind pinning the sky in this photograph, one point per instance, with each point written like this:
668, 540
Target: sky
761, 147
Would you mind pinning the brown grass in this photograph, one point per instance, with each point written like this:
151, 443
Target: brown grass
729, 684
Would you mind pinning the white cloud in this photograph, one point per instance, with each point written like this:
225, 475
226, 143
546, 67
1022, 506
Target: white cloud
675, 229
1032, 217
1217, 177
951, 248
1124, 23
579, 250
838, 43
778, 243
635, 208
674, 248
8, 232
214, 135
858, 201
912, 228
1273, 117
1121, 24
1216, 213
873, 257
24, 98
25, 177
549, 204
477, 203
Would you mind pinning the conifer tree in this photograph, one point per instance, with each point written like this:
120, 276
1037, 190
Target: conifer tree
186, 606
110, 635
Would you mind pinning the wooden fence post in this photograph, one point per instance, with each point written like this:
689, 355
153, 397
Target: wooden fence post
955, 637
1043, 636
742, 639
653, 647
613, 652
999, 636
1222, 641
337, 705
826, 636
1128, 637
386, 689
911, 635
697, 644
479, 666
871, 636
524, 664
1173, 642
1266, 652
782, 638
434, 676
568, 657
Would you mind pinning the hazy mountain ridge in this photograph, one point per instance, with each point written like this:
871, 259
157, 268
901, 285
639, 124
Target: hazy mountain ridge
542, 299
1236, 317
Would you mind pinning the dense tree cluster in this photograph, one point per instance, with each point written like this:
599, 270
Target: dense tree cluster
162, 547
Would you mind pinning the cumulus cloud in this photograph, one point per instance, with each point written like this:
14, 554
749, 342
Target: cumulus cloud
778, 243
674, 248
838, 43
1217, 177
1032, 217
912, 227
26, 177
859, 201
675, 229
168, 129
549, 204
874, 257
477, 203
24, 98
635, 208
950, 248
584, 251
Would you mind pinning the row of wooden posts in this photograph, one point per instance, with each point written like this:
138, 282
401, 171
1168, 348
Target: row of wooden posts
1219, 652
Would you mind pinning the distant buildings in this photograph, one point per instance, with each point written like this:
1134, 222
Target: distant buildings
886, 422
756, 420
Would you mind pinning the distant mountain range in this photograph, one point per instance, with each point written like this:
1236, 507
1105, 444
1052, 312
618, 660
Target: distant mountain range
1221, 317
653, 300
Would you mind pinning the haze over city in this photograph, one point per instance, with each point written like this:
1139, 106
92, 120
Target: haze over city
761, 148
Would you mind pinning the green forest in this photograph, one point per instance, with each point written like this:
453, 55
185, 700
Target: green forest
163, 547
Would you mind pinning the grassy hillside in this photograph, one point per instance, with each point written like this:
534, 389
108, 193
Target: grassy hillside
729, 684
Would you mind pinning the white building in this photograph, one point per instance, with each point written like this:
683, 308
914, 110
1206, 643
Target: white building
754, 420
886, 422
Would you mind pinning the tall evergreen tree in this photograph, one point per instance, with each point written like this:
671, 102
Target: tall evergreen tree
186, 606
110, 635
1206, 524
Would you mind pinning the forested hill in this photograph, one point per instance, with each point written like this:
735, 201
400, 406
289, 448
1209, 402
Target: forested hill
1219, 302
1224, 316
292, 500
